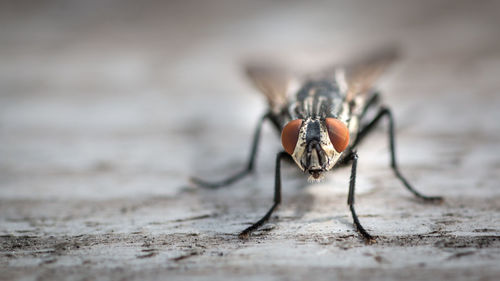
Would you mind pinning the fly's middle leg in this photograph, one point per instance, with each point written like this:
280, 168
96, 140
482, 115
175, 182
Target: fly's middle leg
385, 112
251, 161
277, 197
373, 101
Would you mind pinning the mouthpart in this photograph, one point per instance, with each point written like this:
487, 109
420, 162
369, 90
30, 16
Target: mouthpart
315, 173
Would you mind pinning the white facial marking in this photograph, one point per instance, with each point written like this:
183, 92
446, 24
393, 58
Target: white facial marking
299, 153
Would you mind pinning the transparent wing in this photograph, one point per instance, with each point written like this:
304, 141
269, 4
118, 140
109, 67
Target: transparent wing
355, 79
272, 81
362, 75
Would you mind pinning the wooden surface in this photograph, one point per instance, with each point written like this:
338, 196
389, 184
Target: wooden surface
107, 108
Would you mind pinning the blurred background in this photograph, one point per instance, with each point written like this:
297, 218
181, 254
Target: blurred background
138, 94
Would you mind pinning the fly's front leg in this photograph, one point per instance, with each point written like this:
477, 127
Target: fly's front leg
251, 161
277, 197
350, 199
385, 112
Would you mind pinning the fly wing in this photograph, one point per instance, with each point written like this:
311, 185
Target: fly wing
272, 82
356, 79
362, 75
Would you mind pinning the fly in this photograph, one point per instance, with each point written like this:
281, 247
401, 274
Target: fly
322, 121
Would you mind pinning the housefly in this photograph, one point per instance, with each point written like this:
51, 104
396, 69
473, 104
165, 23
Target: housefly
322, 120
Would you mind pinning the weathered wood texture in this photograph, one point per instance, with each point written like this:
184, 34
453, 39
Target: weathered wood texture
107, 108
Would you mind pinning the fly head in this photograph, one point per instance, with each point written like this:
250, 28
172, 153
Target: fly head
315, 144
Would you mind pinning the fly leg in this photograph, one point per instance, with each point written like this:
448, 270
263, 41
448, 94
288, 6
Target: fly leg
385, 112
277, 197
372, 101
251, 161
350, 199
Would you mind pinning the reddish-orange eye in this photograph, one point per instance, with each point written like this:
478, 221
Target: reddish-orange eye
290, 135
338, 133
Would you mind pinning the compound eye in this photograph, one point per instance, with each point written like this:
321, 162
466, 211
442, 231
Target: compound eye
338, 133
290, 135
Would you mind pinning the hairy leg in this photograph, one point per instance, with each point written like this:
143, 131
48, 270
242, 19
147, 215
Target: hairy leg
277, 197
251, 161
